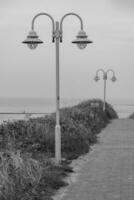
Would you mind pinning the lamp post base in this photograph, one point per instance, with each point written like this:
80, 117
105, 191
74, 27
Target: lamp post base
57, 144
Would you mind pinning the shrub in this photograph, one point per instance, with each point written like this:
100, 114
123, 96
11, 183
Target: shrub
26, 170
18, 176
131, 116
79, 126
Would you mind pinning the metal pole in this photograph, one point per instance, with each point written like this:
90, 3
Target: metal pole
57, 127
104, 103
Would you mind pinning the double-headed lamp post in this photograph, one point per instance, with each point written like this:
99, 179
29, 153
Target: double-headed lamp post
105, 76
33, 40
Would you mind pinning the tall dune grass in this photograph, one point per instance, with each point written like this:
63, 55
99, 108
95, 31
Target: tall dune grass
27, 148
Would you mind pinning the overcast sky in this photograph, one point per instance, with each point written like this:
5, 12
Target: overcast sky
26, 73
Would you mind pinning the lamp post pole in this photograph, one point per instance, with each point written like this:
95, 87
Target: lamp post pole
81, 40
57, 127
105, 82
105, 76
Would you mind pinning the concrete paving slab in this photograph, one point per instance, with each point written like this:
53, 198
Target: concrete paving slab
106, 173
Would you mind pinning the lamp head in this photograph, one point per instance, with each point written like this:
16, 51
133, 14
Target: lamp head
81, 40
113, 78
96, 78
32, 40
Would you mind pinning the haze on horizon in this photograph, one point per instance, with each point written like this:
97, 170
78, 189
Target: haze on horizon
26, 73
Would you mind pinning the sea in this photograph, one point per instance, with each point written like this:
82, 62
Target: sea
12, 109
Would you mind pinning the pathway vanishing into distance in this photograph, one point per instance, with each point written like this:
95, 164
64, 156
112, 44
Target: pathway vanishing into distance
107, 172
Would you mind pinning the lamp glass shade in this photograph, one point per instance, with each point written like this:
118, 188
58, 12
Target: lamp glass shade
81, 45
32, 40
32, 46
96, 78
113, 78
81, 40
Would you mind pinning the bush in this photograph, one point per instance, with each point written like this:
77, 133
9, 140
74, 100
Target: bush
18, 176
26, 170
79, 126
131, 116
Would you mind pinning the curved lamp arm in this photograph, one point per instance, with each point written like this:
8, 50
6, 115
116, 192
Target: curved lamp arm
110, 70
113, 77
100, 70
46, 14
61, 22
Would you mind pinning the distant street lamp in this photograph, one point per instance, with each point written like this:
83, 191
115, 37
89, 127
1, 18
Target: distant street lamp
105, 76
33, 40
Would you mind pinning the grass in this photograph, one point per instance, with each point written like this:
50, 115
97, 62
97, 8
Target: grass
131, 116
27, 169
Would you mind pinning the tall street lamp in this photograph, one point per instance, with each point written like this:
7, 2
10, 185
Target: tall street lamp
33, 40
105, 76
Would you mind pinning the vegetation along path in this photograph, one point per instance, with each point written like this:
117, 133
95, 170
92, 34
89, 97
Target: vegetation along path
108, 172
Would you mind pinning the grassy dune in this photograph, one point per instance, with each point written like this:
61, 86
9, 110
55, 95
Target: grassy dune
131, 116
27, 169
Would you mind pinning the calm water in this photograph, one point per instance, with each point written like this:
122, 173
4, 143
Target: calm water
22, 105
123, 107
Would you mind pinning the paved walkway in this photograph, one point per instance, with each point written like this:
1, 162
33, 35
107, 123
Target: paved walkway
107, 173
